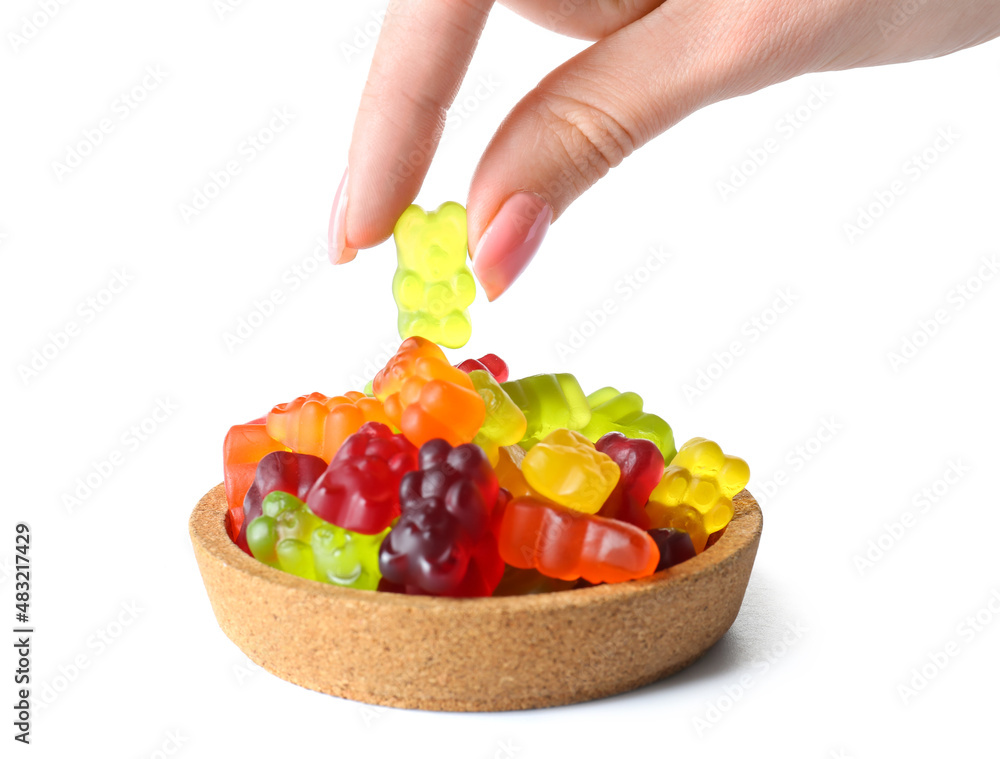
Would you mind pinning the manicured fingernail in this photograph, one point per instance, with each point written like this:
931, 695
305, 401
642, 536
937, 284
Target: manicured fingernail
337, 247
510, 242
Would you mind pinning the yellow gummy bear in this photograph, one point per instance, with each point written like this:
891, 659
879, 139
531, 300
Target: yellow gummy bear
697, 490
567, 469
433, 286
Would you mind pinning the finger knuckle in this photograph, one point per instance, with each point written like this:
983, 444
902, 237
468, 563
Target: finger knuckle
591, 138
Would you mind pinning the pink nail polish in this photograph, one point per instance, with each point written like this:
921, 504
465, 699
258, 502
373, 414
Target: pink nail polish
337, 247
510, 242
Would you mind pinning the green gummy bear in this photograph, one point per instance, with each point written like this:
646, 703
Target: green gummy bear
290, 537
433, 286
505, 422
550, 402
622, 412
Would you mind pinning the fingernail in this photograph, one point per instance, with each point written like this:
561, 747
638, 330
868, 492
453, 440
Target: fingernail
337, 247
510, 242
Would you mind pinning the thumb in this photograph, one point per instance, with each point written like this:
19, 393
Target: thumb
593, 111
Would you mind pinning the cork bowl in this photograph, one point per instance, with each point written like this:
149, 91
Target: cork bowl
482, 654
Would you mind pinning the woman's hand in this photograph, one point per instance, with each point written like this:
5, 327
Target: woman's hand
654, 63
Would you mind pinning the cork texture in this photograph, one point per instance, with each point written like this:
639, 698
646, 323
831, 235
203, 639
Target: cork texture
482, 654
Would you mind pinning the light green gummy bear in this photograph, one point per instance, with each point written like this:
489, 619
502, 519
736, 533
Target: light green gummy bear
504, 424
433, 286
290, 537
550, 402
612, 411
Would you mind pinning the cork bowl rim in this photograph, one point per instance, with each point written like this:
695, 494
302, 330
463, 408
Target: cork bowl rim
208, 531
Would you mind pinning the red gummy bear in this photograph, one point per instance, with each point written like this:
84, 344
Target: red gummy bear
491, 363
359, 491
641, 465
286, 471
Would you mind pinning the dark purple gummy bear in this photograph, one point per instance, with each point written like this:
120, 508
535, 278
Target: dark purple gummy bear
675, 546
286, 471
442, 543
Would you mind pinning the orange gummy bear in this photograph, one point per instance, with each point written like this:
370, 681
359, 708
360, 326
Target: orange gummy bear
426, 397
245, 445
508, 471
318, 425
567, 544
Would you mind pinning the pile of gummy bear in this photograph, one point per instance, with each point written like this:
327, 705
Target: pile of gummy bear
456, 481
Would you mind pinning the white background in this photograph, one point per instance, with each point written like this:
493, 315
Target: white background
167, 678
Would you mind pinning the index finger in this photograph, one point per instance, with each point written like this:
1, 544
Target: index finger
421, 57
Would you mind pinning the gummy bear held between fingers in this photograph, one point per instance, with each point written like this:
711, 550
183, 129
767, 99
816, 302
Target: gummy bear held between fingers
433, 285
